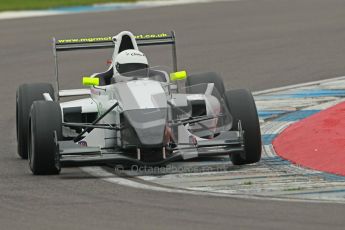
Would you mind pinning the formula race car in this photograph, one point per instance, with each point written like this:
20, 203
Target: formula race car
134, 113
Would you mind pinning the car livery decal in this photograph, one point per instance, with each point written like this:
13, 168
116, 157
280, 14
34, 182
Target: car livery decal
109, 38
82, 143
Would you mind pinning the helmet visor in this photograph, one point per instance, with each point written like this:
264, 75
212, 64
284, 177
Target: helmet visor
126, 69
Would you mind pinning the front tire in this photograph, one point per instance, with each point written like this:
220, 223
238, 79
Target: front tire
26, 94
45, 119
242, 107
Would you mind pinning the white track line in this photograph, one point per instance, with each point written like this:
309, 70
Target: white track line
112, 178
297, 85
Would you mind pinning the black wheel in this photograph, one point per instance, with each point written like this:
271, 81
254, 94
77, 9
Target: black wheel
208, 77
45, 119
242, 107
25, 96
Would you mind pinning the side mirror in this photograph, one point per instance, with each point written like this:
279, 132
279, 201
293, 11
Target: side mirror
177, 76
91, 81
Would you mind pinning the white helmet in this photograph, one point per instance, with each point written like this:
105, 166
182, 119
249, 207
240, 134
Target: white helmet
128, 61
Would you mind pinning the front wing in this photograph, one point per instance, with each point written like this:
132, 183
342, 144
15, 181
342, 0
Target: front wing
69, 154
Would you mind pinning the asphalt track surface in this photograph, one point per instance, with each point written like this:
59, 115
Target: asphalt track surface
257, 44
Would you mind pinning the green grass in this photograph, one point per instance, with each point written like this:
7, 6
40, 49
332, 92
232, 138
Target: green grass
293, 189
248, 183
6, 5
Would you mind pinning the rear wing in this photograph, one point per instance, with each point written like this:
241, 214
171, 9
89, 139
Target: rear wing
61, 45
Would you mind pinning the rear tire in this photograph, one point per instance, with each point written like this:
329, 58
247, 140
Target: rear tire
45, 118
242, 107
26, 94
207, 77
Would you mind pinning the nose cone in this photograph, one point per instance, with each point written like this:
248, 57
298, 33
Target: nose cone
149, 125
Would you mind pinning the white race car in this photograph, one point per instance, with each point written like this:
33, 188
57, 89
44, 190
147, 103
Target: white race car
134, 113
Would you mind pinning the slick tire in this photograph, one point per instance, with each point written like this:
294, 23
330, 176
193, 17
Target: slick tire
45, 120
26, 94
242, 107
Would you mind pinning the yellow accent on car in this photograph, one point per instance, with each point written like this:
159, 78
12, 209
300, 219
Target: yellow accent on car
85, 40
93, 81
109, 38
151, 36
176, 76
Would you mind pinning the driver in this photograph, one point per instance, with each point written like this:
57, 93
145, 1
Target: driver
129, 65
